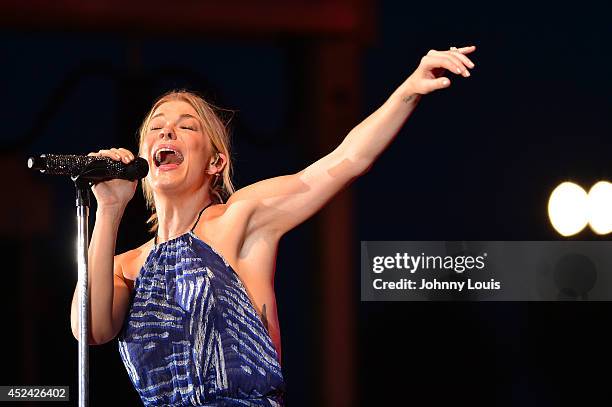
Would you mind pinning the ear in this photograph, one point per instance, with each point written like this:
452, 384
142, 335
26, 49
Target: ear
216, 164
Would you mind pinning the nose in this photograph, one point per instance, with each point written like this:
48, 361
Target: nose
167, 133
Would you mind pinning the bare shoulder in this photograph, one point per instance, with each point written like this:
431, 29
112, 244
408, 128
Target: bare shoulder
229, 230
128, 264
225, 225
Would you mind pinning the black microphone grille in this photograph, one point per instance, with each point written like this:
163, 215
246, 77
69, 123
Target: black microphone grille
139, 168
37, 163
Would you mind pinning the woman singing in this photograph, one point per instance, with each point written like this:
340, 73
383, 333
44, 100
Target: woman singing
194, 308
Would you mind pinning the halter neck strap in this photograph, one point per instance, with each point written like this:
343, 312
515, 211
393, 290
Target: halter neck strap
199, 215
194, 225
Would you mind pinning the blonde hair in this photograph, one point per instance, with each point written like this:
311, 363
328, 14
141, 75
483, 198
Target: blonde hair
213, 126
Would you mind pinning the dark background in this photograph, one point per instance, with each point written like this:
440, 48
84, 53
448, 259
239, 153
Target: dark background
475, 162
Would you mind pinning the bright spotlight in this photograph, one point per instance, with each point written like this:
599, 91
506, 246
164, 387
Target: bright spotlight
600, 207
568, 209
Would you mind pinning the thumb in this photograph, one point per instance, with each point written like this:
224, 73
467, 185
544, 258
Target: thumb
435, 84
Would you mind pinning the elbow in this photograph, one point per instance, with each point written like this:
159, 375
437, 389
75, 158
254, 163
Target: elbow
360, 162
100, 332
361, 166
100, 337
365, 167
94, 340
94, 337
101, 341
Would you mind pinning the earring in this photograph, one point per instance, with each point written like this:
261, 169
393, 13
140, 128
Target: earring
217, 180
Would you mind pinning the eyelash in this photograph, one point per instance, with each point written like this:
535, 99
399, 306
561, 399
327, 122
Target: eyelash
182, 127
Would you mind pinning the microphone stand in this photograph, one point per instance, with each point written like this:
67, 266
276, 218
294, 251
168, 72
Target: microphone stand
82, 212
96, 170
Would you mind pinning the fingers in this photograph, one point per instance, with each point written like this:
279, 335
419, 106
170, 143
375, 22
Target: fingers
126, 155
426, 78
466, 61
466, 50
436, 59
117, 154
457, 55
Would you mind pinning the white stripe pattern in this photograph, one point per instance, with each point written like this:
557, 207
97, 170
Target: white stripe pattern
192, 336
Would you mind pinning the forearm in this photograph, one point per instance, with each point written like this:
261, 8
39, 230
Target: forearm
100, 270
371, 137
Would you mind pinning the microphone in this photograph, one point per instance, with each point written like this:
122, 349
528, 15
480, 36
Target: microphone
88, 168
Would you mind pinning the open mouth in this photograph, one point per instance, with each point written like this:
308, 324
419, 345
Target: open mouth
167, 156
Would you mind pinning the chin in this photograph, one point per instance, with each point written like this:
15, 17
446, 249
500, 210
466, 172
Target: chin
166, 182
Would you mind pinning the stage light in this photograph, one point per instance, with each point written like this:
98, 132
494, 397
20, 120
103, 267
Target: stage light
600, 207
568, 209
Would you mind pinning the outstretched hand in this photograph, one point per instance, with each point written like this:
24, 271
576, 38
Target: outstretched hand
429, 76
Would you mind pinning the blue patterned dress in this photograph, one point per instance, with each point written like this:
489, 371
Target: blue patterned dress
192, 336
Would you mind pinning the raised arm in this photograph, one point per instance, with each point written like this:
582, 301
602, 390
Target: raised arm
108, 292
279, 204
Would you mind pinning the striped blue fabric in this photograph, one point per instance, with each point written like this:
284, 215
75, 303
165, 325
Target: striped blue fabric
192, 336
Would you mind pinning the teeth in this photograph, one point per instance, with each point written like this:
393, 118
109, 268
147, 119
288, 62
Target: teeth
168, 150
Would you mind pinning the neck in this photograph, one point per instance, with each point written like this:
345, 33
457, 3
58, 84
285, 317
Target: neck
177, 215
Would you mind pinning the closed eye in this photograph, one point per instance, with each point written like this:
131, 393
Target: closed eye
187, 127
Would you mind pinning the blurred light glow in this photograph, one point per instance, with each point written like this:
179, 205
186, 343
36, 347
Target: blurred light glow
568, 208
600, 207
